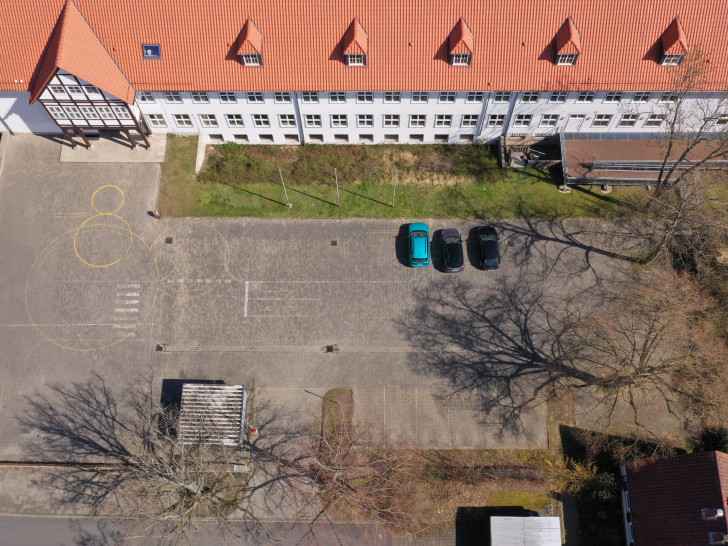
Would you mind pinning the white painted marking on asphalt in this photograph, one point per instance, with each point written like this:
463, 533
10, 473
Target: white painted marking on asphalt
384, 404
127, 310
245, 305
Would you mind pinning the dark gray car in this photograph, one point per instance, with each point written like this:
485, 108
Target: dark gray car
452, 250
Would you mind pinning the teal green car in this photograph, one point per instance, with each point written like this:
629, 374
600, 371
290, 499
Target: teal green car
418, 240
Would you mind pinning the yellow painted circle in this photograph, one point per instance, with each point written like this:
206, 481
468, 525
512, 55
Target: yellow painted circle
90, 224
112, 187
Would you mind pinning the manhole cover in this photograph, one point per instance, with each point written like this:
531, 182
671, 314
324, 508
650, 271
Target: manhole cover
168, 240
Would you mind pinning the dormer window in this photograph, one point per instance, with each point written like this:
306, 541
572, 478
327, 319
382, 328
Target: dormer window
674, 44
250, 45
251, 59
355, 45
461, 44
355, 59
711, 513
460, 59
568, 44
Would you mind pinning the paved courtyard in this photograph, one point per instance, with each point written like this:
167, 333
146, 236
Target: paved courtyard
93, 284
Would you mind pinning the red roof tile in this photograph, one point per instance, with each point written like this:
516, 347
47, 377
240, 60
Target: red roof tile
76, 49
356, 39
666, 497
406, 49
461, 39
250, 40
674, 41
568, 39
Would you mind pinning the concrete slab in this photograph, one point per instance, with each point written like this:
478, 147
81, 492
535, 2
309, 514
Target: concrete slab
116, 149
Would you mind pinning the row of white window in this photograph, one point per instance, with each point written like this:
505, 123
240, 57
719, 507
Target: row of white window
337, 97
89, 112
415, 120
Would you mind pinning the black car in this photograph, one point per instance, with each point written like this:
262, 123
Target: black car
489, 249
452, 249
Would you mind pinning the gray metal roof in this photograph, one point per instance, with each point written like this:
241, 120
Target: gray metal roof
212, 414
533, 531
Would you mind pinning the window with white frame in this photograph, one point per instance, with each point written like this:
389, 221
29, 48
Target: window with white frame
287, 120
672, 59
469, 120
121, 112
502, 96
365, 96
89, 112
420, 96
627, 120
312, 120
282, 97
365, 120
234, 120
613, 97
200, 97
227, 97
654, 120
391, 120
721, 122
641, 97
255, 97
57, 112
586, 96
460, 59
417, 120
91, 90
72, 112
564, 59
474, 96
145, 96
208, 120
668, 97
549, 120
58, 89
156, 120
558, 96
337, 97
496, 120
392, 96
529, 96
338, 120
447, 96
443, 120
310, 97
172, 97
601, 120
251, 59
355, 59
105, 112
522, 120
74, 89
261, 120
182, 120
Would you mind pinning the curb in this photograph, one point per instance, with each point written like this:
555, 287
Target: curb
200, 158
4, 139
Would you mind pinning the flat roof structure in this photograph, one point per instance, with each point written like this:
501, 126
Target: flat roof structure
212, 414
530, 531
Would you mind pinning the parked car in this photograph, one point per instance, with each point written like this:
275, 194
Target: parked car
418, 240
452, 250
489, 248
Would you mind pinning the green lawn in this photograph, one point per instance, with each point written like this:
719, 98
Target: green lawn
244, 181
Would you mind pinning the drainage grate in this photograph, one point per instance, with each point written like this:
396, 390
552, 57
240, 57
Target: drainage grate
334, 242
160, 348
168, 240
511, 242
331, 349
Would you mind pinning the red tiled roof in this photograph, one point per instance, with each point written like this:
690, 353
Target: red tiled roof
674, 41
666, 497
75, 48
406, 49
250, 40
568, 39
355, 39
461, 39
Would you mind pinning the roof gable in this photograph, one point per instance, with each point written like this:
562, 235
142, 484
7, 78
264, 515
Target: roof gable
568, 39
461, 39
76, 49
250, 39
356, 40
674, 40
